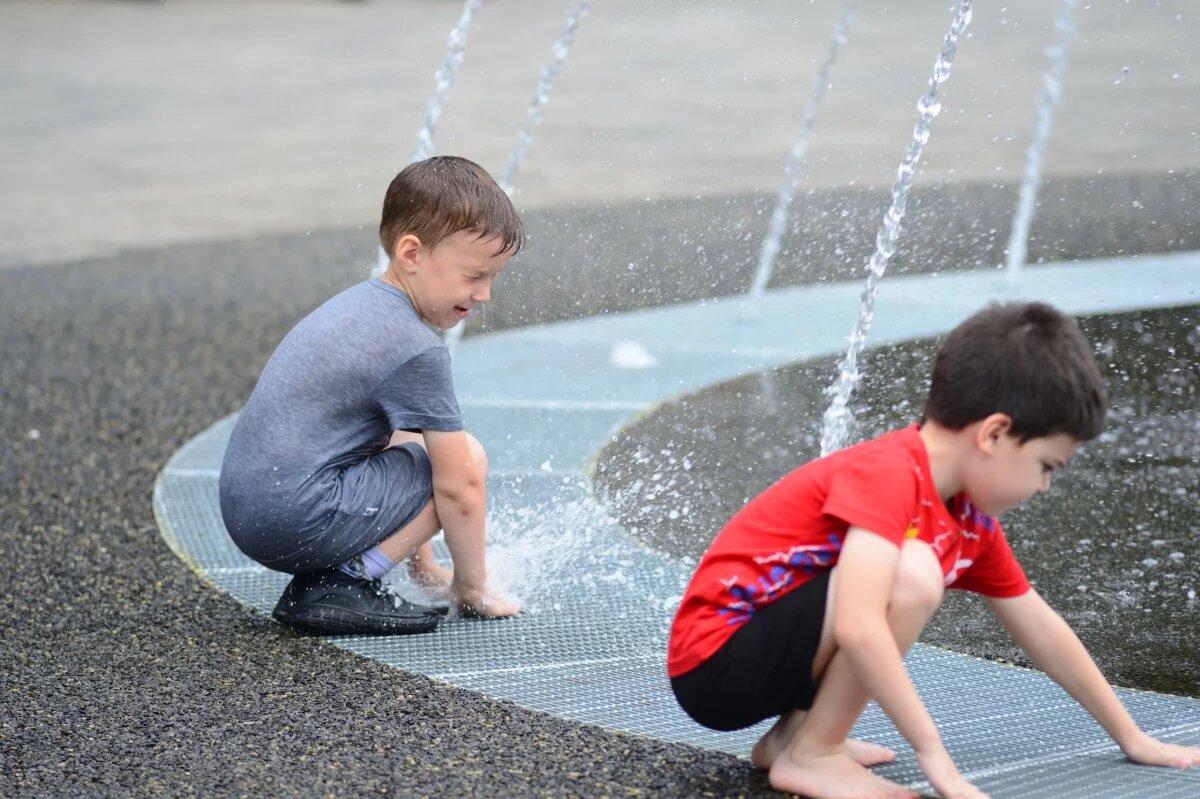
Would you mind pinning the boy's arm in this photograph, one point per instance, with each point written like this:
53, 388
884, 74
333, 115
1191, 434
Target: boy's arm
459, 497
1055, 648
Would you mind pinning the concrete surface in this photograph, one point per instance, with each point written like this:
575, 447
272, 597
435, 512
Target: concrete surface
182, 183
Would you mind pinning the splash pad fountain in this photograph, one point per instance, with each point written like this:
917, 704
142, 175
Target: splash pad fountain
591, 650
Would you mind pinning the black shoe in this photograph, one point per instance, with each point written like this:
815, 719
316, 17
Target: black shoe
332, 602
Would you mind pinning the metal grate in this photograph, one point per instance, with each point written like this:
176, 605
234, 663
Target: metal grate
592, 648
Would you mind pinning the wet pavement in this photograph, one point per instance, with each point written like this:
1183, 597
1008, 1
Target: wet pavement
124, 674
1113, 547
134, 124
201, 170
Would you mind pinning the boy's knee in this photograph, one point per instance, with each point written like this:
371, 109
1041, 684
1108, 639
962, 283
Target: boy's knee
918, 588
916, 596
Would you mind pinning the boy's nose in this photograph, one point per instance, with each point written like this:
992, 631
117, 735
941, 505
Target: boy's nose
483, 294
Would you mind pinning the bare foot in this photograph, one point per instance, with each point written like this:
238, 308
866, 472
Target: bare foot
831, 776
430, 575
868, 754
485, 604
780, 735
776, 739
425, 570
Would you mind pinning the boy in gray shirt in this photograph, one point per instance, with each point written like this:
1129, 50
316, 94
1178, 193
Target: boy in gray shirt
350, 453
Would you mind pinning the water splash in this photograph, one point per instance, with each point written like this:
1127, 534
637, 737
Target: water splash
535, 550
631, 355
456, 45
452, 336
381, 262
783, 202
838, 419
1048, 100
541, 96
561, 48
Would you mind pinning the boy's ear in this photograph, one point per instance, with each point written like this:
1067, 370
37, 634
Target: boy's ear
407, 252
992, 430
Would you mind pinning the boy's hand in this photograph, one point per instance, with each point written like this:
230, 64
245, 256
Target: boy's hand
1153, 752
485, 604
943, 776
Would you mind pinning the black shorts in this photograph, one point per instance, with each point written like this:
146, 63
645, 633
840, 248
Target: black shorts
764, 669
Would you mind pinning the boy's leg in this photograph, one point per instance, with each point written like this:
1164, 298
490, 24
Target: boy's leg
410, 542
815, 762
425, 569
412, 537
781, 733
351, 598
779, 737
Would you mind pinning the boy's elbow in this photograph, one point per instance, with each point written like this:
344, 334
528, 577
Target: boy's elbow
466, 493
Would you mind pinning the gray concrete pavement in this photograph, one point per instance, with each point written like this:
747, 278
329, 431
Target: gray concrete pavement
134, 124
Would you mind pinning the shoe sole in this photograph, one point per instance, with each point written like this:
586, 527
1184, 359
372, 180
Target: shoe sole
335, 621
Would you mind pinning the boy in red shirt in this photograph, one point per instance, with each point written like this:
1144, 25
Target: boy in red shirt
805, 603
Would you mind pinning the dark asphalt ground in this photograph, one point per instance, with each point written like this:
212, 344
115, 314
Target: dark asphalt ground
123, 674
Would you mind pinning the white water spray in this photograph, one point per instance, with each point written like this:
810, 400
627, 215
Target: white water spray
538, 547
550, 73
1048, 100
456, 45
783, 202
838, 419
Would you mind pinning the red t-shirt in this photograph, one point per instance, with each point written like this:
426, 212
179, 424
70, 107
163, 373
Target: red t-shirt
795, 528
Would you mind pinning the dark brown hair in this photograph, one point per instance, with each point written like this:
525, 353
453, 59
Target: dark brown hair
1027, 360
438, 197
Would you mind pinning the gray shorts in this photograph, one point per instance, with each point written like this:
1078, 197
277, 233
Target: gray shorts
378, 496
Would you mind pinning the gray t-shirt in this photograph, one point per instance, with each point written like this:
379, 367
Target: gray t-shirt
355, 369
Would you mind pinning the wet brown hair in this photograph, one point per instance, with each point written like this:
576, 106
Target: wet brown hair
440, 196
1027, 360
